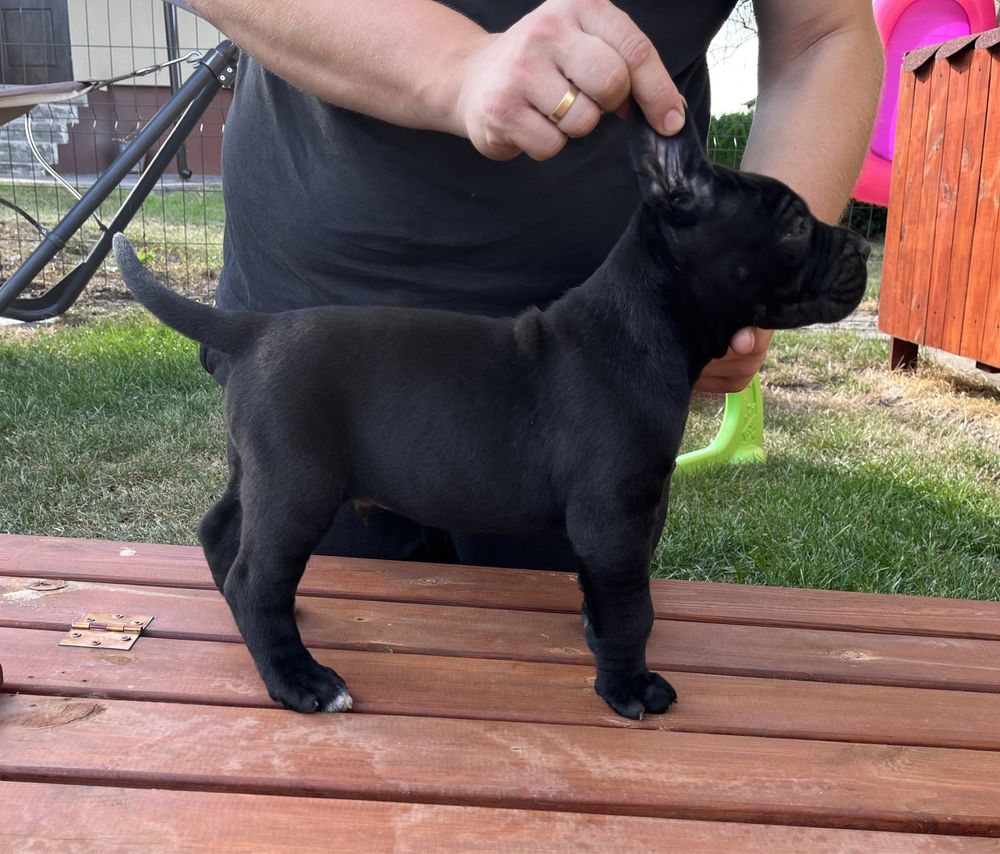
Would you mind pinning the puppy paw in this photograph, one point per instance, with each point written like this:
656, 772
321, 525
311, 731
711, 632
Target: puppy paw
634, 695
311, 688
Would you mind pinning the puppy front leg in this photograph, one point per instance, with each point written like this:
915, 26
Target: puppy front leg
618, 616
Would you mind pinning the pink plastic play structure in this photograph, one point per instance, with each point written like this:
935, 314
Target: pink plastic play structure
905, 25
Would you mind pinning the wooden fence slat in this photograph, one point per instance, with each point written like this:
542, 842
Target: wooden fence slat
516, 765
978, 88
183, 566
122, 821
937, 117
888, 309
981, 264
949, 663
989, 351
949, 186
910, 237
207, 673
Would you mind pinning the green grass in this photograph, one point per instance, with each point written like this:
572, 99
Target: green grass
110, 429
179, 231
861, 491
194, 204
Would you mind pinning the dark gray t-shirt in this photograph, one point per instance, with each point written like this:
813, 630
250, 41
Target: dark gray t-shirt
326, 206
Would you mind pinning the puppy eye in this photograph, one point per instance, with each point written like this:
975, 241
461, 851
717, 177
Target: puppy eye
799, 226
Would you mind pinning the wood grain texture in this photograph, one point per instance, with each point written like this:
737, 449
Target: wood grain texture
347, 578
486, 763
989, 348
476, 727
952, 150
987, 210
949, 185
115, 820
978, 90
889, 304
208, 673
727, 649
930, 169
911, 234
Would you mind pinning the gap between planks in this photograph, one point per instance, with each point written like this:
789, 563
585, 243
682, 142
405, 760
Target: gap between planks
204, 673
514, 765
724, 649
345, 578
119, 821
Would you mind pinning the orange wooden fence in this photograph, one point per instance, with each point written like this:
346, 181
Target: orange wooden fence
942, 254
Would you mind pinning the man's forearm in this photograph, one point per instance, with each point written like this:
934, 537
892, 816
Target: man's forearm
397, 60
814, 117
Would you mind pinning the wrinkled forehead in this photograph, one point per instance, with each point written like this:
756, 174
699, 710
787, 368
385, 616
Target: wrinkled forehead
769, 196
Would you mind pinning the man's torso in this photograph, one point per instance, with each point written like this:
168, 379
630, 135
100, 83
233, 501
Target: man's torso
327, 206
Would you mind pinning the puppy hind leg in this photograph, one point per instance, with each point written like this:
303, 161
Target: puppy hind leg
260, 587
219, 532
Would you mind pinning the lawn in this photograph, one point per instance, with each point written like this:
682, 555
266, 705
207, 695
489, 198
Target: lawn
178, 232
874, 481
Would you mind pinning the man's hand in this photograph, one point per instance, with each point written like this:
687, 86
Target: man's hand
734, 371
513, 81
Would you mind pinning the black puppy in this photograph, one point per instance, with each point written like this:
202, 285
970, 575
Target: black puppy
564, 419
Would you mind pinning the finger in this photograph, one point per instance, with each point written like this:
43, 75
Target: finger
596, 69
743, 341
536, 136
651, 85
581, 117
722, 385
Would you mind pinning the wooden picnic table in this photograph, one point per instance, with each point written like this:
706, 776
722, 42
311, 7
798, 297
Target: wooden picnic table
807, 721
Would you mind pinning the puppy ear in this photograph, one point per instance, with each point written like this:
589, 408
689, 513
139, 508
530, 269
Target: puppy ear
673, 171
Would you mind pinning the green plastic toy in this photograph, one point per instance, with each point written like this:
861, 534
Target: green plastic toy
740, 438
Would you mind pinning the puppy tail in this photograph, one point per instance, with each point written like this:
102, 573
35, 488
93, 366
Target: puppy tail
225, 331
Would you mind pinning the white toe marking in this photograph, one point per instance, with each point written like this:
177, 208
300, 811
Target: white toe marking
343, 702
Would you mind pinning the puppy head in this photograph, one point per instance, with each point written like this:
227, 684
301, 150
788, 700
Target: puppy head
746, 246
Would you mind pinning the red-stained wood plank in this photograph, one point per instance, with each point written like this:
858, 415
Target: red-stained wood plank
977, 95
952, 151
981, 265
114, 820
888, 307
207, 673
183, 566
486, 763
937, 119
989, 350
911, 234
922, 662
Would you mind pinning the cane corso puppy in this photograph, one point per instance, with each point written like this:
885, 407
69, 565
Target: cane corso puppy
567, 419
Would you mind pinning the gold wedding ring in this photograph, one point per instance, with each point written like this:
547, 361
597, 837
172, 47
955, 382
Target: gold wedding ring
557, 114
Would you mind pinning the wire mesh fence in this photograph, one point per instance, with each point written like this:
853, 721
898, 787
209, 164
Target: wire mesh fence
48, 42
61, 145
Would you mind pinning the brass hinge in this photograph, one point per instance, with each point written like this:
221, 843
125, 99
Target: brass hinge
105, 631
